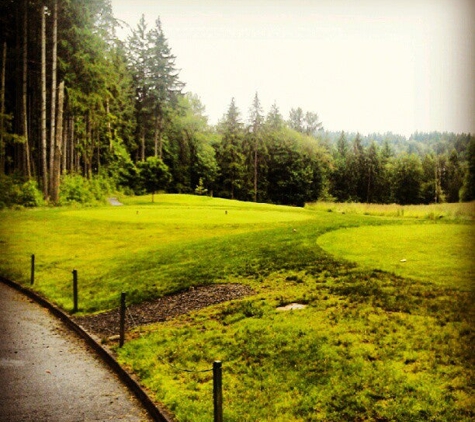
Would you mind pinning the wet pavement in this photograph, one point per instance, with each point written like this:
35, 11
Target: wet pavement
48, 373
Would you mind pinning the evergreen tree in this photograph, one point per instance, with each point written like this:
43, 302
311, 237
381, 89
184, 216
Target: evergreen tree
342, 176
312, 123
138, 50
434, 180
274, 120
407, 179
230, 155
468, 189
358, 167
452, 181
156, 81
296, 120
190, 156
163, 83
374, 175
307, 123
256, 122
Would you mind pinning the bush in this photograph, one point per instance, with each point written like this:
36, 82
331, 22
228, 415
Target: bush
77, 189
8, 191
30, 195
74, 189
15, 191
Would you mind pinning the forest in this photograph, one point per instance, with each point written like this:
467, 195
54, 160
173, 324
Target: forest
84, 114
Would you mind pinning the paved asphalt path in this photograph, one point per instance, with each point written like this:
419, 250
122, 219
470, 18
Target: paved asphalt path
48, 373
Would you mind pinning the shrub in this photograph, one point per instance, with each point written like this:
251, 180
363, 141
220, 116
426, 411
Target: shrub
30, 195
200, 189
77, 189
8, 191
14, 191
74, 189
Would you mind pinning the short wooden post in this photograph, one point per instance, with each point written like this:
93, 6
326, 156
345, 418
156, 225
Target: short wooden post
32, 279
75, 290
122, 319
218, 391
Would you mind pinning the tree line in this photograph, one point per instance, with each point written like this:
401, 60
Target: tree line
77, 102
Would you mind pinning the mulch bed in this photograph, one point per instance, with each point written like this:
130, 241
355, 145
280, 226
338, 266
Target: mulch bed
106, 324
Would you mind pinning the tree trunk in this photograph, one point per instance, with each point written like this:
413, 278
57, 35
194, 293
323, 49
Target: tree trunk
44, 153
71, 145
53, 91
142, 143
89, 150
155, 137
157, 134
160, 144
65, 146
368, 190
76, 154
160, 135
109, 127
56, 173
98, 152
2, 110
24, 108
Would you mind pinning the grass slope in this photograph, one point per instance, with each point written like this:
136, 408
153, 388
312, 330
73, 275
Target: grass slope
145, 249
371, 345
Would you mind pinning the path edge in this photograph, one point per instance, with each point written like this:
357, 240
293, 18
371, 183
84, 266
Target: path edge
158, 414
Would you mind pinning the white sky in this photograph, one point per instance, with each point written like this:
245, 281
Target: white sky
362, 65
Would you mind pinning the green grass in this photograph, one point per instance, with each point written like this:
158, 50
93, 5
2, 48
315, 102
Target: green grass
439, 253
142, 248
373, 343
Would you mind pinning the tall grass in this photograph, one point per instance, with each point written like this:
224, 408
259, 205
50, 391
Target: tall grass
463, 210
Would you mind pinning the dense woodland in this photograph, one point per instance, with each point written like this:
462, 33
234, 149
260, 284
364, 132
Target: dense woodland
83, 113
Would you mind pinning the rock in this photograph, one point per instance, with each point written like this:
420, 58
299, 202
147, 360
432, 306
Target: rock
291, 307
114, 202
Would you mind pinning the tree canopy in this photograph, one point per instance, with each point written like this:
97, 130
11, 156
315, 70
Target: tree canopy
77, 101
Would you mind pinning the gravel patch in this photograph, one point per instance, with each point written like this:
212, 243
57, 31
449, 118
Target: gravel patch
106, 324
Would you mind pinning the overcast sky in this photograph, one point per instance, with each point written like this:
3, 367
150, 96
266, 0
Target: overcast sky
365, 65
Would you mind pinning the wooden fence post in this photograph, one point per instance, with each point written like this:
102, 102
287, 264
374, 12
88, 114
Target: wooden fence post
122, 319
75, 290
218, 391
32, 279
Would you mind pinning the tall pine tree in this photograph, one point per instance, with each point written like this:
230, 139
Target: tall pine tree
229, 153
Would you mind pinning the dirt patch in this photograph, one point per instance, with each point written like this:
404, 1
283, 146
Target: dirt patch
106, 324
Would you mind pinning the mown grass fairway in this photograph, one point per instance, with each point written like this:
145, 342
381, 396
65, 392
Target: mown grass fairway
145, 249
438, 253
370, 345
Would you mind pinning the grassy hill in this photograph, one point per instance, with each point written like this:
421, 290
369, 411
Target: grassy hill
379, 338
